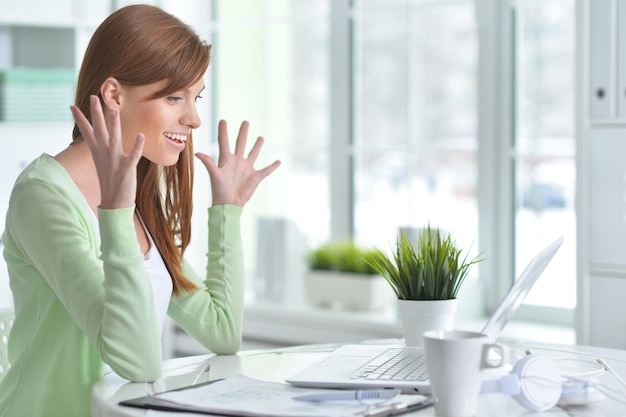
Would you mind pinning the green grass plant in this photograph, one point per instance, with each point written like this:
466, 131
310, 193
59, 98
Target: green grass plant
434, 270
343, 256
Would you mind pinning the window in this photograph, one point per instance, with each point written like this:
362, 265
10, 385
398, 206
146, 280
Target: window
544, 144
271, 66
377, 109
415, 124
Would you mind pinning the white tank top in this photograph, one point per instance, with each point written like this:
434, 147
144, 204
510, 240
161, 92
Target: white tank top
160, 278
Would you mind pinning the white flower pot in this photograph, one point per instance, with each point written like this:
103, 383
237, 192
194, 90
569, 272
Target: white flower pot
348, 291
418, 316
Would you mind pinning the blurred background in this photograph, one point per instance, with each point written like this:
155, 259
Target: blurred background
386, 114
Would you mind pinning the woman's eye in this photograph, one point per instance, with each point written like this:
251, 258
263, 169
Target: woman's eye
198, 97
174, 98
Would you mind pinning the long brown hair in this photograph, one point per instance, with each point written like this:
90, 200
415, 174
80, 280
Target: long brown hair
140, 45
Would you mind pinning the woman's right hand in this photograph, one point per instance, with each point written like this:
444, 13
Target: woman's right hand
117, 171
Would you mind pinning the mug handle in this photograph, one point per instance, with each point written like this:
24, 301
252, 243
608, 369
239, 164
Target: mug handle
503, 352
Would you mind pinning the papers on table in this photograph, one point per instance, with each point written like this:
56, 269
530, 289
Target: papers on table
244, 396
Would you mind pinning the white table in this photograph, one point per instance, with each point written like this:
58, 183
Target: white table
275, 365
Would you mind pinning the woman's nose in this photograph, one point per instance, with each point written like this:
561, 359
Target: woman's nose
191, 117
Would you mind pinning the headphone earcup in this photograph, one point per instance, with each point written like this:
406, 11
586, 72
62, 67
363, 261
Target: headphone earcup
540, 382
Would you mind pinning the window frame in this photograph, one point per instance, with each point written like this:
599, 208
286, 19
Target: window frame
496, 154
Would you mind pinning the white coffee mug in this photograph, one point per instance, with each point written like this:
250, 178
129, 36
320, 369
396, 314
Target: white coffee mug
454, 361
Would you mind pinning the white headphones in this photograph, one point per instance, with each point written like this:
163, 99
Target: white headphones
538, 385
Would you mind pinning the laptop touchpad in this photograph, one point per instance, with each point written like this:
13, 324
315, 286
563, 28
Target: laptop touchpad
345, 362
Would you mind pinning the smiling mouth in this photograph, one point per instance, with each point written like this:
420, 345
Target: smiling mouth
176, 137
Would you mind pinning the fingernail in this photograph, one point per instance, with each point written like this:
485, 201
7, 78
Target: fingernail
113, 112
94, 100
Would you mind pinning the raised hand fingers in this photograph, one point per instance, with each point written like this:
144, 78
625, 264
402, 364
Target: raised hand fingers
208, 162
96, 133
222, 141
137, 151
234, 179
254, 152
224, 146
240, 145
117, 170
97, 119
268, 169
83, 124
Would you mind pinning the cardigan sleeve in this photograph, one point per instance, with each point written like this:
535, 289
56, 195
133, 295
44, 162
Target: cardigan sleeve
213, 313
98, 277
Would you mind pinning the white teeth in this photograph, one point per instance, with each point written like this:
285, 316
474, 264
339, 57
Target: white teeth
176, 137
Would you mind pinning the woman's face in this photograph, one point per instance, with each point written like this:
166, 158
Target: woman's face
166, 122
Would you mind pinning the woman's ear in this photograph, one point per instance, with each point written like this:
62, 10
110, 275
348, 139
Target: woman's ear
111, 93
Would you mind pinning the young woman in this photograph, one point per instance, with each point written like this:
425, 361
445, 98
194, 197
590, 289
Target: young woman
95, 236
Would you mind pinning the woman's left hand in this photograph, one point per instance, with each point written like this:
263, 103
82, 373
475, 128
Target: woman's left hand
234, 178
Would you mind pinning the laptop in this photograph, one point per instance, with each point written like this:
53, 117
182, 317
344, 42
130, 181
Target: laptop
352, 366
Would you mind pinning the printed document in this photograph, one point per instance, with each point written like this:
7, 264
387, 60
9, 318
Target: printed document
244, 396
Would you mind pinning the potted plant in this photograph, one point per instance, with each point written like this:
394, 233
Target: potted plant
341, 276
426, 279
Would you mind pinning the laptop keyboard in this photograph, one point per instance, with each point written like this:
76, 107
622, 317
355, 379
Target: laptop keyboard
395, 364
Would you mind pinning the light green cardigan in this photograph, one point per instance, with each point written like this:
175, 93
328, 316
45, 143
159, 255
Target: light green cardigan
82, 296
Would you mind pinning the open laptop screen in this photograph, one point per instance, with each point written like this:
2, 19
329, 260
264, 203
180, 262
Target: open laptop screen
519, 290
